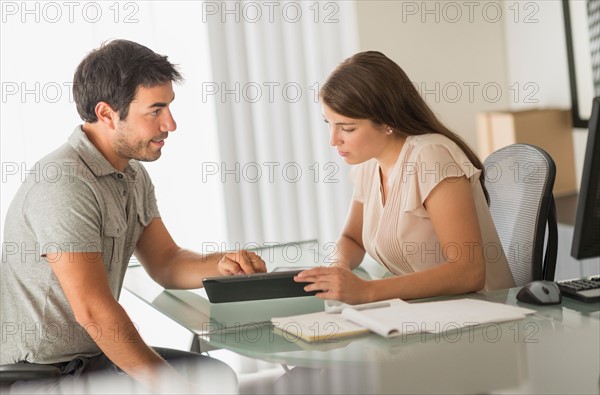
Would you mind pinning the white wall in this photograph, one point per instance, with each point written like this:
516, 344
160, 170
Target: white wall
536, 52
518, 46
452, 51
43, 42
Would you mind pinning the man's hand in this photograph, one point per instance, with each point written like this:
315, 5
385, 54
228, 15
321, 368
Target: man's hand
241, 262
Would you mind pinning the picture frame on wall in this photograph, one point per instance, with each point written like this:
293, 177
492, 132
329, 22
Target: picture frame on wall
582, 31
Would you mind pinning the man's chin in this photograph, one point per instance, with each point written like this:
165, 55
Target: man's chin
149, 158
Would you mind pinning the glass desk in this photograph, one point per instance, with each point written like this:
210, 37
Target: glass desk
192, 310
556, 350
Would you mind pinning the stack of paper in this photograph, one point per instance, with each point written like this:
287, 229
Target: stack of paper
397, 318
316, 327
433, 317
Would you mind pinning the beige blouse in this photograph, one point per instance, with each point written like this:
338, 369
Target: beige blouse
400, 235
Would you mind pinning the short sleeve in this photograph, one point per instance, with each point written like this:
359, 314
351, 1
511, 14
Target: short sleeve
64, 216
430, 164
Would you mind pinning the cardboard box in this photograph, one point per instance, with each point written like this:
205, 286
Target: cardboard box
550, 129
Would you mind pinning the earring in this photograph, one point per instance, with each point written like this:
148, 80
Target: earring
389, 131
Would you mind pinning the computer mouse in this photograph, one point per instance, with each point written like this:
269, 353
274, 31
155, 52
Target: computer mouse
540, 292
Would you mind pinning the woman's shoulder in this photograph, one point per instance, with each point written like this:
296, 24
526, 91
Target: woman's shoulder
424, 140
430, 144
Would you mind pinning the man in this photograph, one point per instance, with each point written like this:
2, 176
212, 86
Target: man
70, 234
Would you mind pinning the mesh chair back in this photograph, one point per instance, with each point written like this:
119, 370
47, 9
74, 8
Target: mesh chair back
519, 179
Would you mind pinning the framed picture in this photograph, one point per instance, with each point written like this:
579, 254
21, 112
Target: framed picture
582, 30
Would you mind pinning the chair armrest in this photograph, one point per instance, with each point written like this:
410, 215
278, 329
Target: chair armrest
27, 371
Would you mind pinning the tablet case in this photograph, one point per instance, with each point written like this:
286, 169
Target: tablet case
254, 287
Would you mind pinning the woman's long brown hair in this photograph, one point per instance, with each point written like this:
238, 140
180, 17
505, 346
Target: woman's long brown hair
369, 85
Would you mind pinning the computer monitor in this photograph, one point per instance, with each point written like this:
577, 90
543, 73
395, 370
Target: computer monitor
586, 238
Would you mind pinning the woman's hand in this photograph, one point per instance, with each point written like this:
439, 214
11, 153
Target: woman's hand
241, 262
337, 283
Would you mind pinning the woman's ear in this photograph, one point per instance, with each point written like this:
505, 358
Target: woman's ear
106, 114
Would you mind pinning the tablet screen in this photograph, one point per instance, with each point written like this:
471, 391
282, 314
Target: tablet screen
255, 286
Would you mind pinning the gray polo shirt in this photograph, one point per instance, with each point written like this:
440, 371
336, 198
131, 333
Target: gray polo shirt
72, 200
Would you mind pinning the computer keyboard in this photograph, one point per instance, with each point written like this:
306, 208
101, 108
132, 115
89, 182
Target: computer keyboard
584, 289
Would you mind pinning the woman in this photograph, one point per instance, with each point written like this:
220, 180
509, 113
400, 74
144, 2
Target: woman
420, 207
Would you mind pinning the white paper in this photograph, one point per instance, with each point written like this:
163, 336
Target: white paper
433, 317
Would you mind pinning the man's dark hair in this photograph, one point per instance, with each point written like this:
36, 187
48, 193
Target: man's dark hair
113, 73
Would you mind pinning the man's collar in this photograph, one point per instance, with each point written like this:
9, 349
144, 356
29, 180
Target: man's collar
90, 155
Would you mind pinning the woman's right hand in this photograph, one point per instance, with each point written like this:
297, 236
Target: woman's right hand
336, 283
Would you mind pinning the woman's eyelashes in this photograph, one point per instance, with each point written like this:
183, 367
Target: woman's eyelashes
342, 128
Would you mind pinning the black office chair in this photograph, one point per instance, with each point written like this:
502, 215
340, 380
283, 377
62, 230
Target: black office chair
519, 179
13, 372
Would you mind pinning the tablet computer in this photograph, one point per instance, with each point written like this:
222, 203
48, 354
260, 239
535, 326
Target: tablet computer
255, 286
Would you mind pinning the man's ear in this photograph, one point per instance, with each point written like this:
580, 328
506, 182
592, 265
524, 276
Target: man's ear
106, 114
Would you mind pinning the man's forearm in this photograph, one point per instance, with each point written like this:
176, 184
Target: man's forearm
185, 269
118, 338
